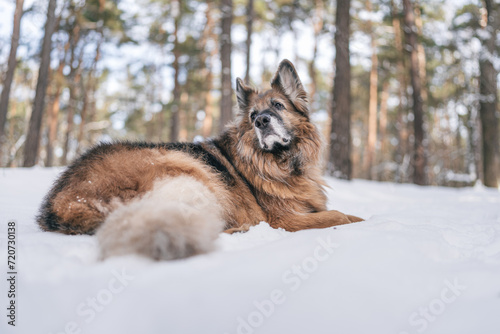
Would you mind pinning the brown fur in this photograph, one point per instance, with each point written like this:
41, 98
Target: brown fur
282, 187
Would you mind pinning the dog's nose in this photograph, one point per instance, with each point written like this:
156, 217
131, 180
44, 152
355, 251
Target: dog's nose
262, 121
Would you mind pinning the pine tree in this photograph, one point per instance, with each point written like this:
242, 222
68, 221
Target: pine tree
33, 139
419, 154
226, 101
489, 97
248, 43
340, 136
9, 75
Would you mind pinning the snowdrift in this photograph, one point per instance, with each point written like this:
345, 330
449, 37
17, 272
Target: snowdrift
426, 260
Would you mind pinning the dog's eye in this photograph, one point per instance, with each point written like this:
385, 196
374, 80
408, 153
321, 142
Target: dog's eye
278, 105
253, 115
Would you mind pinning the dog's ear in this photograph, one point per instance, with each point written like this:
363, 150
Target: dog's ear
243, 93
287, 81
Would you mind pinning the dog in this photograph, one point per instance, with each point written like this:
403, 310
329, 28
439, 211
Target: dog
171, 200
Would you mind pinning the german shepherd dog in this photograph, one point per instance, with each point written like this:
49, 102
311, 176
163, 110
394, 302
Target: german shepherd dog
171, 200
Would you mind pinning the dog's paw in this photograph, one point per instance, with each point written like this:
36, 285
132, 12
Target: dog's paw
354, 219
241, 229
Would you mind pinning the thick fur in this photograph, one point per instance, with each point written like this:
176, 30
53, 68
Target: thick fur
179, 217
170, 200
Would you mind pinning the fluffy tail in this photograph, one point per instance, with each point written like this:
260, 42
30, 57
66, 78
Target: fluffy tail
178, 218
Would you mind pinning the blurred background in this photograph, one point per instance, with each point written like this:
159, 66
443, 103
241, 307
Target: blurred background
403, 90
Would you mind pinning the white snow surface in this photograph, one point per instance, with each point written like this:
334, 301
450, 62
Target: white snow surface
426, 260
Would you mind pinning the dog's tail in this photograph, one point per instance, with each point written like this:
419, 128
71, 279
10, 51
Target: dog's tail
178, 218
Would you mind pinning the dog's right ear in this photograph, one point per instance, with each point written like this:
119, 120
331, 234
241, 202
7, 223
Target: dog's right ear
243, 93
287, 81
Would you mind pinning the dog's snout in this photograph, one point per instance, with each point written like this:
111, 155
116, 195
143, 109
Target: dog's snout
262, 121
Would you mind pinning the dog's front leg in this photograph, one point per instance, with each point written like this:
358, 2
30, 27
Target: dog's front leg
242, 228
321, 219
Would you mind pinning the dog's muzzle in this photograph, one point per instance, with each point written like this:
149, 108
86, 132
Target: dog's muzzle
271, 131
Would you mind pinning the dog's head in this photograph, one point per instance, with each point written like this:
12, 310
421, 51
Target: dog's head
274, 120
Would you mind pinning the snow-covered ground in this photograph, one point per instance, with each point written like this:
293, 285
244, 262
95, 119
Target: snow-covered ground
426, 260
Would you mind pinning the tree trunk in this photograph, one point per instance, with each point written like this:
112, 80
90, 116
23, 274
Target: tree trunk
154, 77
383, 119
422, 61
175, 119
489, 99
208, 33
293, 16
419, 154
401, 123
340, 136
53, 113
474, 135
69, 122
372, 117
209, 112
317, 27
33, 139
74, 80
11, 68
85, 88
184, 115
248, 42
226, 101
372, 105
88, 96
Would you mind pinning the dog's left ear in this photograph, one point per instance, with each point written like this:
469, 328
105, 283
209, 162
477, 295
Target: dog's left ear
243, 93
287, 81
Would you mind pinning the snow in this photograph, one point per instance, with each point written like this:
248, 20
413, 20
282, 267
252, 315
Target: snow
426, 260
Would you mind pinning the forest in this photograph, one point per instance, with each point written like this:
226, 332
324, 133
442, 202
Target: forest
403, 90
